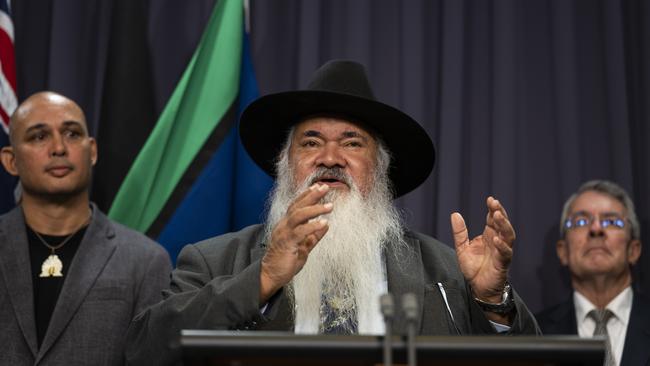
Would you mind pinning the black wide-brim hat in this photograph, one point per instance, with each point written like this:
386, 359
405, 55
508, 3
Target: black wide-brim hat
339, 88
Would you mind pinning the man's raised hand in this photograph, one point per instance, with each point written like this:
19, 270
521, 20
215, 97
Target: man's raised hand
292, 240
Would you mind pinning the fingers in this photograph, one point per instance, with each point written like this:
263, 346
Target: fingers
305, 207
309, 197
504, 228
312, 232
300, 228
305, 214
459, 229
497, 219
494, 205
314, 237
504, 249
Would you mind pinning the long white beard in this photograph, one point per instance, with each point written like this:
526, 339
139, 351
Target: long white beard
347, 261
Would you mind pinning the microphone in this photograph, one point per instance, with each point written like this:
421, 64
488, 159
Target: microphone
387, 307
410, 308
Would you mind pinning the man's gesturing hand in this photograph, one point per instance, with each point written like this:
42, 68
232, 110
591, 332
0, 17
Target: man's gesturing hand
485, 259
292, 239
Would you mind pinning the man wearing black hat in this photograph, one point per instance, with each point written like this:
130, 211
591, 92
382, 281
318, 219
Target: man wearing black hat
333, 242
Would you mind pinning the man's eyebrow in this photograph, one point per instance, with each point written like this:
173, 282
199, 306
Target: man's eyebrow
611, 213
38, 126
353, 134
312, 133
72, 123
604, 213
345, 134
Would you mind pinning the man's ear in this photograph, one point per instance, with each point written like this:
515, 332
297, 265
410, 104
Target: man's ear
9, 160
562, 250
633, 251
93, 151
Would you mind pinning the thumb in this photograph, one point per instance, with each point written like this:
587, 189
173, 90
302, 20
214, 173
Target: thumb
459, 230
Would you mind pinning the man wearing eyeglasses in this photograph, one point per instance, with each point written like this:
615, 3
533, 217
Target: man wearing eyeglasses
599, 242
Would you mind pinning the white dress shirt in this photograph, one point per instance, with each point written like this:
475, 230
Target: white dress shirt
621, 306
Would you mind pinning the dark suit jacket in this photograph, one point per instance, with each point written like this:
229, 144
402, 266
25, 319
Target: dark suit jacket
216, 286
561, 319
115, 273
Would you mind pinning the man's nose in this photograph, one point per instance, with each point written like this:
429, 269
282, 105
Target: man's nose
331, 156
58, 146
595, 228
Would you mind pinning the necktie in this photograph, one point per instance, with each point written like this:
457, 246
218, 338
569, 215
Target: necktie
601, 317
338, 316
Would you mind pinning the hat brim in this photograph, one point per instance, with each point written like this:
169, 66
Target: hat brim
265, 124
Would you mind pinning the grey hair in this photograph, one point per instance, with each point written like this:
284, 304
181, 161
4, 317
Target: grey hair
611, 189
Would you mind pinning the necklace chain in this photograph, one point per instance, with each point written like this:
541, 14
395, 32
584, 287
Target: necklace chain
55, 247
61, 244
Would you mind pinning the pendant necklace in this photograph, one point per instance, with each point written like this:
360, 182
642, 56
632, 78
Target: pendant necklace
52, 266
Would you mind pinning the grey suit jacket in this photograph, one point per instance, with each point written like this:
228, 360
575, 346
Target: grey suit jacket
561, 319
115, 273
216, 286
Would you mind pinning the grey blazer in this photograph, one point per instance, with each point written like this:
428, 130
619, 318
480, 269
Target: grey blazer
216, 286
115, 273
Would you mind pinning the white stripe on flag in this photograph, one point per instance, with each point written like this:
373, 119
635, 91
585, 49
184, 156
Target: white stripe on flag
8, 101
7, 25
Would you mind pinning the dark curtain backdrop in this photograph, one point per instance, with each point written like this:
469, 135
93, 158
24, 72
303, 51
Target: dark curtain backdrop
525, 99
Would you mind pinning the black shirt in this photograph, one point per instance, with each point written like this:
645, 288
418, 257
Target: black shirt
47, 289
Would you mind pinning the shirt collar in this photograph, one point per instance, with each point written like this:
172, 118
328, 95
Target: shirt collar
621, 305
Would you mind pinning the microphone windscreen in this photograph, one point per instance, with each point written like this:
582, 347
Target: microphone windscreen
410, 306
387, 305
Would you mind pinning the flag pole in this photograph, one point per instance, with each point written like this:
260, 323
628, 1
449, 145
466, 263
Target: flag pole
247, 16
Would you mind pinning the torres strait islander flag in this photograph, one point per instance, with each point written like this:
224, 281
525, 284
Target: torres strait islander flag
192, 179
8, 100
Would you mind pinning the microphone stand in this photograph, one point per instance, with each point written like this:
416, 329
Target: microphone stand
387, 307
410, 307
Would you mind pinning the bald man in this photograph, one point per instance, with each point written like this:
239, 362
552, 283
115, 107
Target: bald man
71, 280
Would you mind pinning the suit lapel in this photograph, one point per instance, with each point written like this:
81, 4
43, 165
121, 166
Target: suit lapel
562, 320
16, 270
404, 275
570, 325
94, 252
637, 338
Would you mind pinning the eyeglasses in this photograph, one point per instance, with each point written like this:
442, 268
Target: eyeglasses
585, 220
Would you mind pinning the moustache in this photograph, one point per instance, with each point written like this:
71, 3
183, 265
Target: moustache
330, 174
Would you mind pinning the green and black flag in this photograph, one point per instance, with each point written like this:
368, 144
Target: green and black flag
192, 179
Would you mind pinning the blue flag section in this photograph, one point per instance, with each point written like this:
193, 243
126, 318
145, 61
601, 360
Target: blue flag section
7, 182
230, 192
